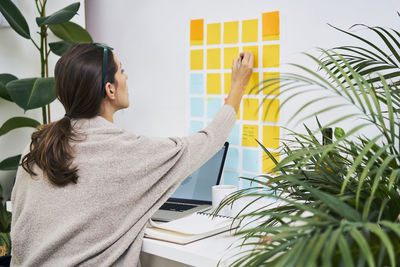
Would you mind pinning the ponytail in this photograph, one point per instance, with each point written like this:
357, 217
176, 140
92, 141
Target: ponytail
51, 151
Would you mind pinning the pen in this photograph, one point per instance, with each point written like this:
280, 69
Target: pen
240, 61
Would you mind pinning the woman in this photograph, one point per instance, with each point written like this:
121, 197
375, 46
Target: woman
86, 188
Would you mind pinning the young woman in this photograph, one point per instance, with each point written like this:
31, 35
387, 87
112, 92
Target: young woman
86, 188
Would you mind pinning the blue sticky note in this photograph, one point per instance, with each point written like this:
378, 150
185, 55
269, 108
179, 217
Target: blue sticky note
231, 178
195, 126
196, 83
251, 160
232, 158
247, 183
213, 105
234, 137
196, 107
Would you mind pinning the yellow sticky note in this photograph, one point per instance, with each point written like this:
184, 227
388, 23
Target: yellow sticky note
229, 54
270, 110
270, 26
250, 109
231, 32
271, 136
252, 87
250, 133
213, 58
213, 33
196, 59
227, 82
271, 87
271, 56
268, 164
250, 30
213, 83
254, 51
196, 31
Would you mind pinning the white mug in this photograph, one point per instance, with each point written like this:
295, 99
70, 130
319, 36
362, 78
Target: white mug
219, 192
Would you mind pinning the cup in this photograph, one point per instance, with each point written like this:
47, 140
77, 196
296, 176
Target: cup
219, 192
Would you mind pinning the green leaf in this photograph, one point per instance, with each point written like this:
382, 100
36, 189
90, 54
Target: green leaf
15, 18
59, 48
32, 93
10, 164
72, 32
339, 132
4, 79
61, 16
362, 243
17, 122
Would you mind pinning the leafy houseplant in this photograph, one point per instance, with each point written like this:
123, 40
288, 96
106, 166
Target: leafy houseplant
340, 201
37, 92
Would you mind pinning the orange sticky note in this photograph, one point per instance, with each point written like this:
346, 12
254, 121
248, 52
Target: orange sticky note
214, 58
271, 136
271, 83
213, 33
231, 32
249, 135
252, 87
213, 83
268, 164
196, 59
250, 30
270, 110
250, 109
271, 56
196, 31
254, 51
227, 82
270, 26
229, 54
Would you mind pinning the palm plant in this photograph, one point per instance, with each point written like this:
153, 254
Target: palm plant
340, 201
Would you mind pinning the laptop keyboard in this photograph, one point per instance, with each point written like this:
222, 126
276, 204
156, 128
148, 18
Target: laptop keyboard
176, 207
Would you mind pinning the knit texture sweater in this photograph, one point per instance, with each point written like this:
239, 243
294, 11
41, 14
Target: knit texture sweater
123, 179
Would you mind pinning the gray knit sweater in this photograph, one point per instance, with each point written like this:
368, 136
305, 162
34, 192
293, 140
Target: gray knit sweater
123, 180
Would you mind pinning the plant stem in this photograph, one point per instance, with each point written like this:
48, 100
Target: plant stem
43, 53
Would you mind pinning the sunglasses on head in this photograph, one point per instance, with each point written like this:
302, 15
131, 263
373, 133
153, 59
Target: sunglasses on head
105, 63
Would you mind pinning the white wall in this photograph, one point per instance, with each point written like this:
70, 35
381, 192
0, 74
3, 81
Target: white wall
19, 57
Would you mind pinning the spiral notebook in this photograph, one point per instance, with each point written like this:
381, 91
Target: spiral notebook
194, 227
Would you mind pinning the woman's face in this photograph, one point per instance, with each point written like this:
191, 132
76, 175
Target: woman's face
122, 96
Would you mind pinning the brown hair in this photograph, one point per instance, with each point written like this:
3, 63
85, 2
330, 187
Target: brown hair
78, 86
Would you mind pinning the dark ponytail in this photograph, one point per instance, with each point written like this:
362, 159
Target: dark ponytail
78, 87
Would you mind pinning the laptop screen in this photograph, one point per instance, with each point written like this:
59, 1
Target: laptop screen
197, 186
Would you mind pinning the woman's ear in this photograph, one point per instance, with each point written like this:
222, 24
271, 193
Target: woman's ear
110, 90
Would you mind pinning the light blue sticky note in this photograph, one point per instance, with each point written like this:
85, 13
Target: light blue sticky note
248, 183
231, 178
234, 137
195, 126
213, 105
196, 83
232, 158
196, 107
251, 160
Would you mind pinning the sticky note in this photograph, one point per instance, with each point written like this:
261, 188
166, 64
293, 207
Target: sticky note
270, 110
268, 164
250, 109
271, 136
249, 134
270, 26
213, 105
250, 30
213, 58
213, 33
196, 107
253, 85
234, 136
271, 56
196, 83
214, 83
232, 158
231, 178
271, 87
229, 54
196, 31
227, 82
251, 160
195, 126
254, 51
231, 32
196, 59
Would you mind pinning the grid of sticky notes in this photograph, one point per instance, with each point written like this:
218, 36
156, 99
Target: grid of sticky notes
213, 47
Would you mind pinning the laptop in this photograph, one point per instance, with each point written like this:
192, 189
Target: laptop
194, 193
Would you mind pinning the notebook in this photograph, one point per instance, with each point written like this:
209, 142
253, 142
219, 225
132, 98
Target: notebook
194, 227
194, 193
